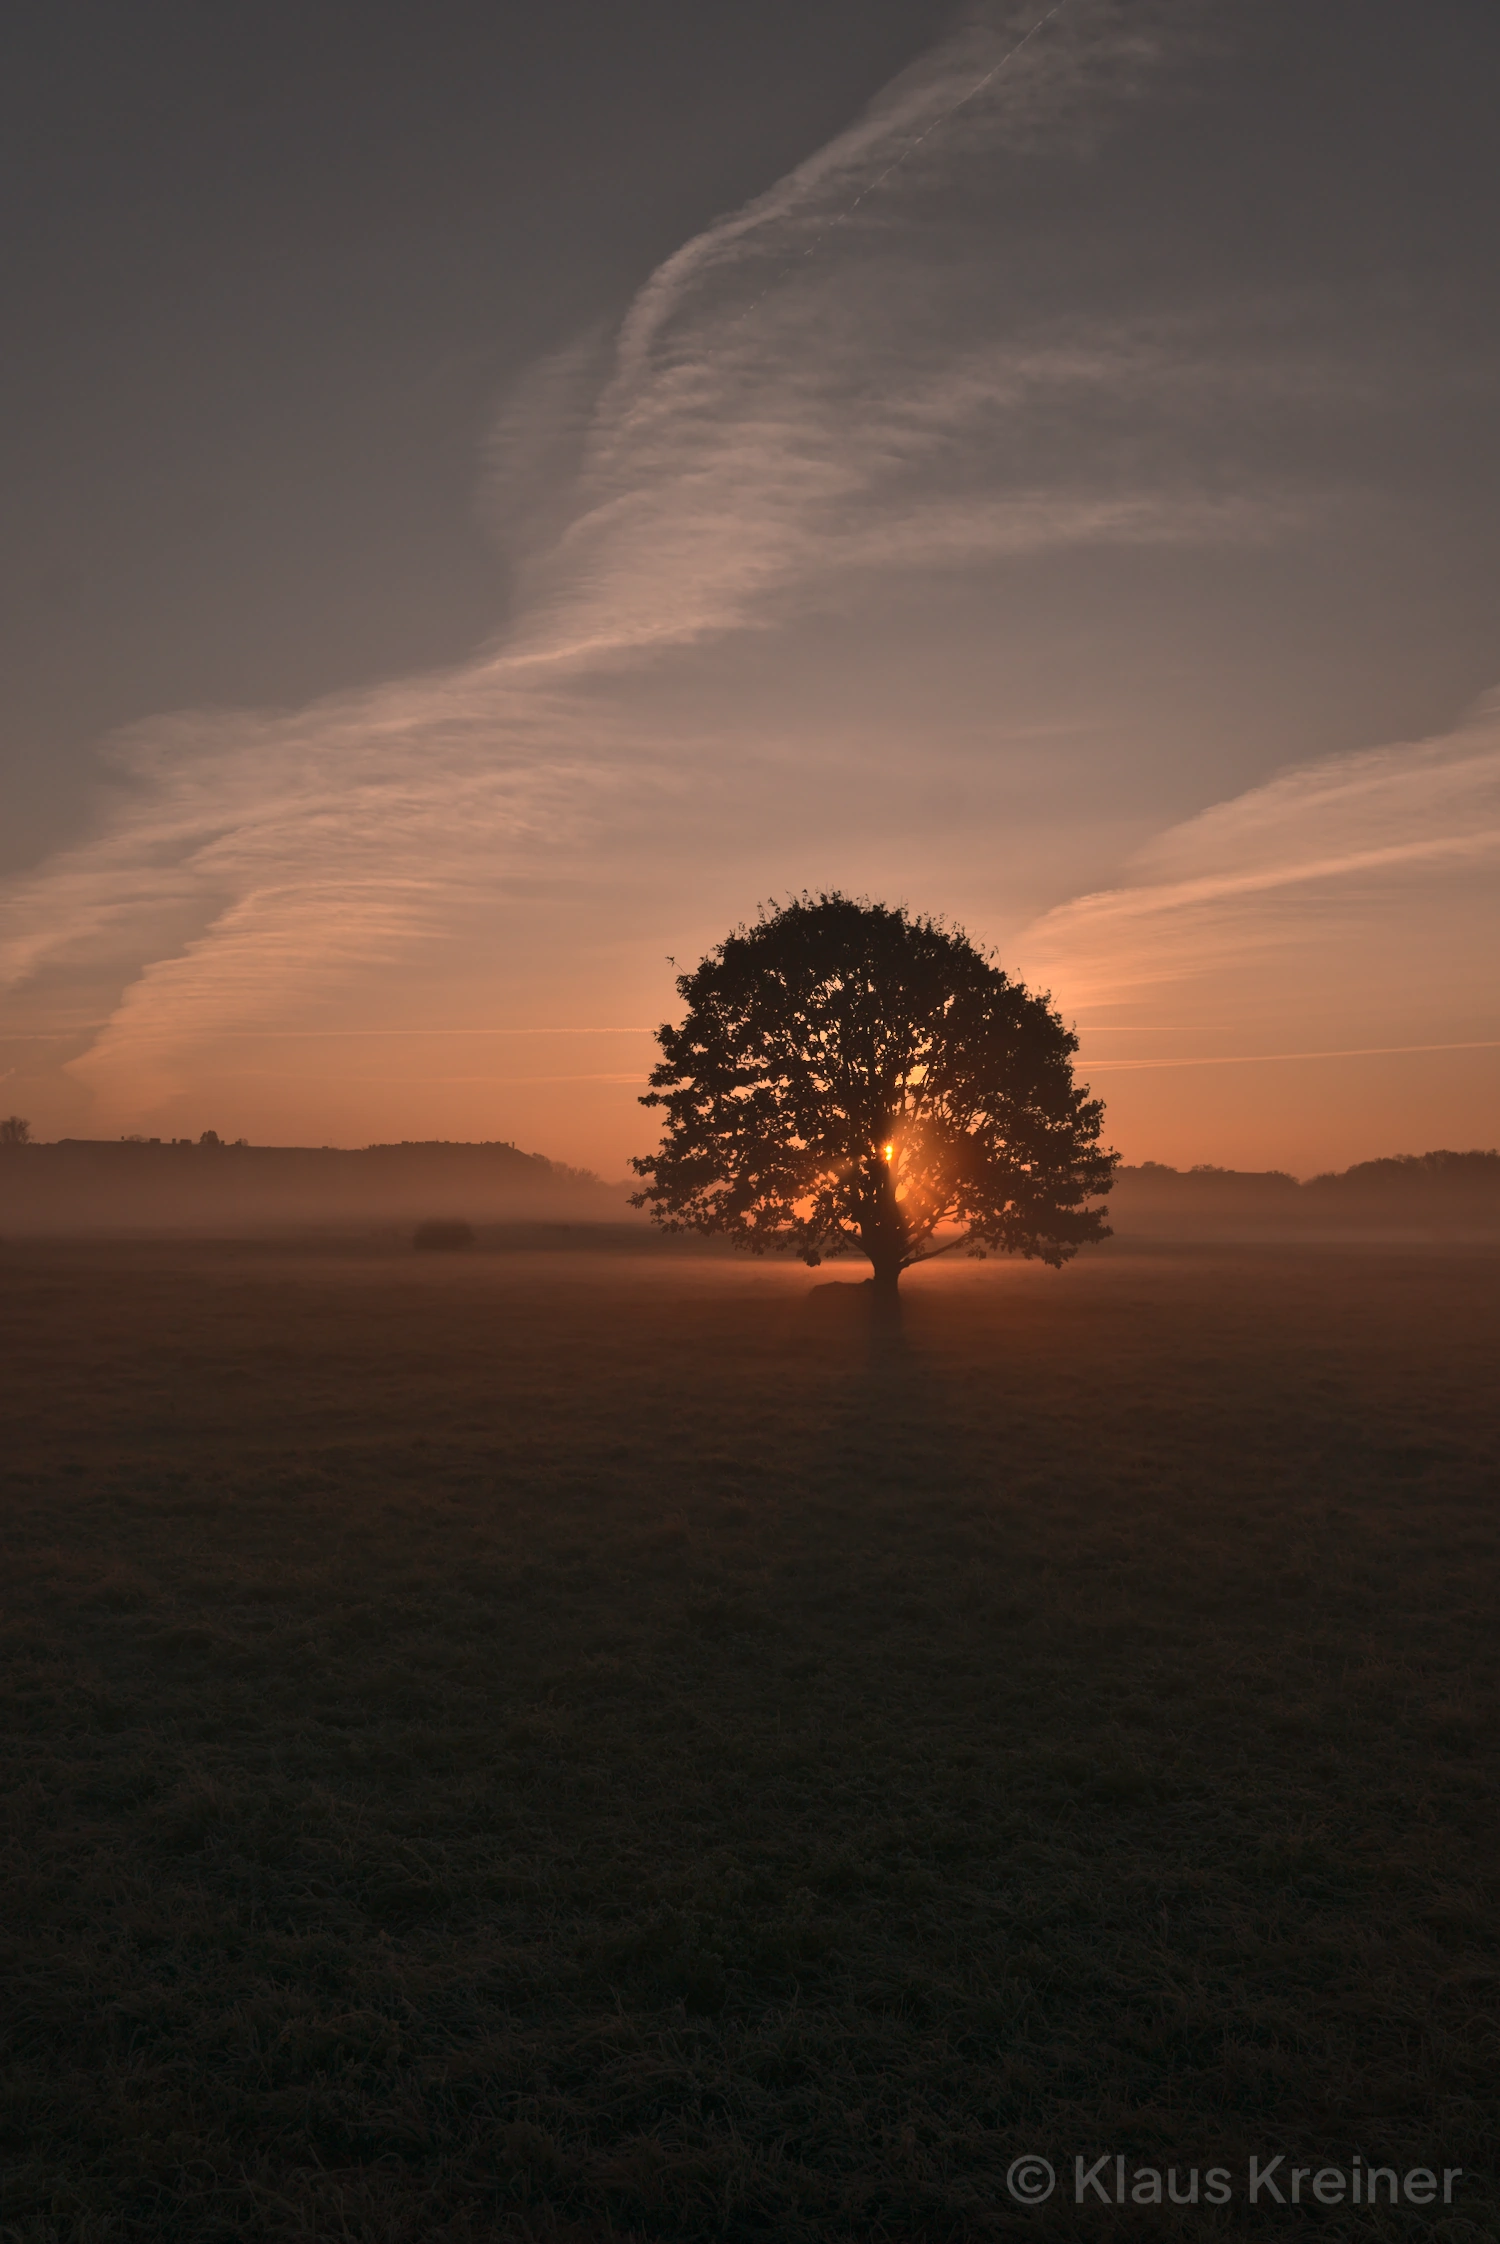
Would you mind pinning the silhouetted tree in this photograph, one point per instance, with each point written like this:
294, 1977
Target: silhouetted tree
14, 1130
849, 1078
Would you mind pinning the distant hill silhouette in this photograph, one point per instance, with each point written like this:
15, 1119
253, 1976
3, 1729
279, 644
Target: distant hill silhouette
94, 1184
1451, 1193
131, 1184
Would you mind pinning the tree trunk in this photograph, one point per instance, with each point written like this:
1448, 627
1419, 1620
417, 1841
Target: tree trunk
885, 1306
882, 1232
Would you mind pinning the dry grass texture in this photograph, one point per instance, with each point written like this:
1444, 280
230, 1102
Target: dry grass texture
532, 1747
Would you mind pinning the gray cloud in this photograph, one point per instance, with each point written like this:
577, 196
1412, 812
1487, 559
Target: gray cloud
839, 403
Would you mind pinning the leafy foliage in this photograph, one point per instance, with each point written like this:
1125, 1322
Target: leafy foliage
849, 1078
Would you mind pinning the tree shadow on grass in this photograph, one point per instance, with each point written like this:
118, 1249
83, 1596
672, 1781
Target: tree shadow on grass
888, 1426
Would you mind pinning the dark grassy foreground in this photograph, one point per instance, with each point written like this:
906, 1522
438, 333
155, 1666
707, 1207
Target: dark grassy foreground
535, 1747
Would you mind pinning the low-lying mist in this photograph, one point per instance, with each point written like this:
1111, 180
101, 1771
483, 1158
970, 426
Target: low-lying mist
83, 1186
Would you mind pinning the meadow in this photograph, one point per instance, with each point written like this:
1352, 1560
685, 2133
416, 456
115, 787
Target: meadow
579, 1746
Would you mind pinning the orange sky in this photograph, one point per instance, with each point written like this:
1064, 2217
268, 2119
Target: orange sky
858, 555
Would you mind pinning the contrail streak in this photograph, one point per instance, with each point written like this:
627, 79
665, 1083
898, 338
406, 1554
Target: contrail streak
949, 114
872, 186
1252, 1059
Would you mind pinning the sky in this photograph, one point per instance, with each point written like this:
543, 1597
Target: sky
498, 495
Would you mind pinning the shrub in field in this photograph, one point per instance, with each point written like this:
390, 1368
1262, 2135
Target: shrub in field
442, 1236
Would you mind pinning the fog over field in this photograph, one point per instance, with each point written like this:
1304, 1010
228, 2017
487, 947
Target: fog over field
84, 1187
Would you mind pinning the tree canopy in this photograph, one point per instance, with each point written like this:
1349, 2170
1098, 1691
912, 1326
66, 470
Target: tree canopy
852, 1079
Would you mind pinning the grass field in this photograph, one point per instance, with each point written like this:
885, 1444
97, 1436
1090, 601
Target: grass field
552, 1746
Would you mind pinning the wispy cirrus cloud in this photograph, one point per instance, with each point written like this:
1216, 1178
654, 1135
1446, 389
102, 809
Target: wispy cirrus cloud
1347, 912
834, 403
1336, 847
